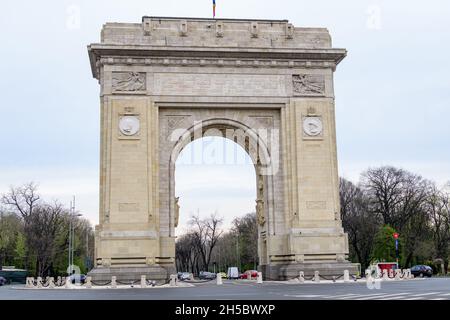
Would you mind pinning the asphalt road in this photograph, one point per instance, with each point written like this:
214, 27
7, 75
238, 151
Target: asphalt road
418, 289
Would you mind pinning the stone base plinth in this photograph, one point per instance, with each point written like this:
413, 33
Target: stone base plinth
292, 270
128, 274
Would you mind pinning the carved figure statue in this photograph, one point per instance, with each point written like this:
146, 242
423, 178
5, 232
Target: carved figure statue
177, 211
260, 212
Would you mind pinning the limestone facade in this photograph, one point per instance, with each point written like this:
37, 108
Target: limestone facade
265, 84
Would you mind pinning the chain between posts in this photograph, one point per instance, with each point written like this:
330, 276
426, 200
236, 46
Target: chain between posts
61, 281
198, 281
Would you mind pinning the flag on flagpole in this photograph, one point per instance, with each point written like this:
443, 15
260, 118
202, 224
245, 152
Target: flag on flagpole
214, 8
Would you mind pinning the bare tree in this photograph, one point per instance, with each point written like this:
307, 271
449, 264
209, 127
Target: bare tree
438, 210
395, 194
43, 226
205, 234
186, 254
22, 199
358, 221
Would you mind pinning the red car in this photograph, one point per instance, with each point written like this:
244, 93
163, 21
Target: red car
244, 275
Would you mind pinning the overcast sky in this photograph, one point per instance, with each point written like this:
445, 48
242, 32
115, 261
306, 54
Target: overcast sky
392, 92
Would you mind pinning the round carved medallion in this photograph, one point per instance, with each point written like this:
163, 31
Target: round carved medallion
129, 125
312, 126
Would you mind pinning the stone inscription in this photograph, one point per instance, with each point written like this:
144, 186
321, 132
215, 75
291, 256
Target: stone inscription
219, 85
128, 207
315, 205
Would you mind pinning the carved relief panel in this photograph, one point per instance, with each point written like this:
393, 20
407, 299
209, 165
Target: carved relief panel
308, 85
129, 124
129, 82
312, 125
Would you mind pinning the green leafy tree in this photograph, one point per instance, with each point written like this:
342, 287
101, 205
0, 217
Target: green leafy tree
20, 250
384, 244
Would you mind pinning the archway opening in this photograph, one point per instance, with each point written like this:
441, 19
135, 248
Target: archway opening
215, 190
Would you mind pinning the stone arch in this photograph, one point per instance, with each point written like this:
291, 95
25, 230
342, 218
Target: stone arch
285, 85
258, 151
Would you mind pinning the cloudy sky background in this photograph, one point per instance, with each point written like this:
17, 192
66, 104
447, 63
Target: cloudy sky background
392, 93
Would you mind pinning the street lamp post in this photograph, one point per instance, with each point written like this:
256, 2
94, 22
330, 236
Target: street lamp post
396, 235
238, 260
71, 234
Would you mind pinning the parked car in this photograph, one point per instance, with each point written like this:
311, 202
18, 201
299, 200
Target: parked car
422, 271
233, 273
13, 275
2, 281
205, 275
254, 274
184, 276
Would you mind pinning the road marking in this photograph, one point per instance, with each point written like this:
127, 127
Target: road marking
445, 294
341, 296
438, 299
384, 296
427, 294
304, 295
356, 297
415, 298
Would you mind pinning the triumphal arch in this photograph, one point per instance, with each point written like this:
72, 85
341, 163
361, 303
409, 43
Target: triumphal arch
264, 84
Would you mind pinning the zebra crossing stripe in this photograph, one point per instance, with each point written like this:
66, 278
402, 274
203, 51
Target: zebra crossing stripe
427, 294
384, 296
340, 296
304, 295
356, 297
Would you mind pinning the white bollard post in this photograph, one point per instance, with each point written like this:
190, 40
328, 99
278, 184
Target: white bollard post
369, 278
88, 282
301, 277
410, 275
173, 280
114, 282
29, 282
385, 275
219, 279
316, 276
346, 276
260, 277
191, 276
51, 283
398, 272
39, 283
68, 283
143, 281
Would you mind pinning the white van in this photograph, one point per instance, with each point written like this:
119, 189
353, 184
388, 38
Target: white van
233, 273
